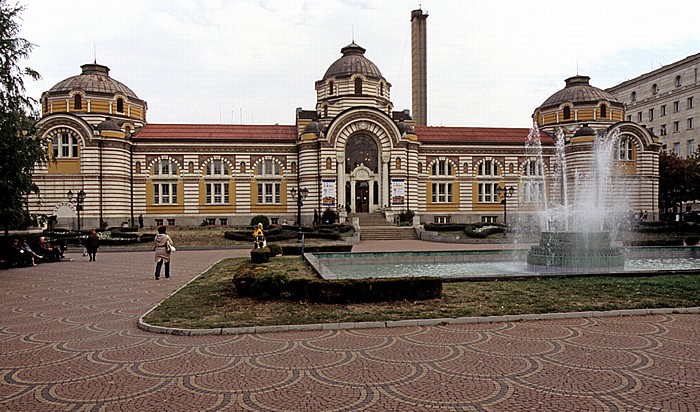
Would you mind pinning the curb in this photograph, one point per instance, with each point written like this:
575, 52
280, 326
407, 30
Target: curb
407, 323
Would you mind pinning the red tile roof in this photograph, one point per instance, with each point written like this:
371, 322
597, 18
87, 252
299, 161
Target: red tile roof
475, 135
263, 133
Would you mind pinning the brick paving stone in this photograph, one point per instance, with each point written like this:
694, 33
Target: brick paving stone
69, 341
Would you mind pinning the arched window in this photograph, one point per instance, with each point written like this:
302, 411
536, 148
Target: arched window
242, 167
533, 181
654, 89
138, 168
77, 102
329, 163
331, 88
358, 86
269, 178
164, 174
442, 168
625, 149
217, 174
65, 146
634, 97
398, 163
361, 149
120, 105
420, 167
678, 81
190, 167
488, 168
567, 112
442, 185
603, 111
325, 110
381, 89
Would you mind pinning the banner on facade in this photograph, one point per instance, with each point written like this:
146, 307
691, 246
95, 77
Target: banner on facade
398, 191
328, 194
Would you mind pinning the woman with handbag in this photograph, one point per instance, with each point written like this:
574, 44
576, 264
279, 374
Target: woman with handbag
163, 247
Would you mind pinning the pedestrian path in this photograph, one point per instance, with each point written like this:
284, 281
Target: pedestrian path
69, 342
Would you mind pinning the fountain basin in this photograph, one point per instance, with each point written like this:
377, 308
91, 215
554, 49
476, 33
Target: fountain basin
580, 251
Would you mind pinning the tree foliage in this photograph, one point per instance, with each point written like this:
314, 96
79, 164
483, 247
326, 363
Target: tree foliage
20, 149
679, 181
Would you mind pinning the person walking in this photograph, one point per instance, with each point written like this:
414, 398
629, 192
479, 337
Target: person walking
91, 244
163, 247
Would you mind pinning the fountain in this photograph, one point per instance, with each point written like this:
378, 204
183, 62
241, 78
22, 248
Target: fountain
577, 230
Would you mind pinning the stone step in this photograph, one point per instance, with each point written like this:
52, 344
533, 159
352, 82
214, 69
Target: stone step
387, 233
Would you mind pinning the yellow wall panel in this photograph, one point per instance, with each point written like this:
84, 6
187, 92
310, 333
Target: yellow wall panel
64, 166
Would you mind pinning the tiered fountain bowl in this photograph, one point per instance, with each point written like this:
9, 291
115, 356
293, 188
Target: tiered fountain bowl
585, 252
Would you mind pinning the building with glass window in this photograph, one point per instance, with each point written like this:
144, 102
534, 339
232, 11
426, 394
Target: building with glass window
665, 100
352, 151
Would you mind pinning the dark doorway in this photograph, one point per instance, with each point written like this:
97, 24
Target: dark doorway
362, 197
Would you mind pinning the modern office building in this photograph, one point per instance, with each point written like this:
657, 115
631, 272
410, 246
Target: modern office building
666, 101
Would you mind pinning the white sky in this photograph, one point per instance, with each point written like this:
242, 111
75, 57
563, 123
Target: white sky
490, 63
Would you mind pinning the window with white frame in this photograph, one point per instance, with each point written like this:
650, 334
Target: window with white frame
442, 192
691, 102
662, 130
164, 174
65, 145
217, 174
489, 219
663, 110
691, 123
165, 193
442, 168
625, 149
488, 192
268, 173
676, 127
165, 167
691, 147
533, 182
488, 168
442, 219
677, 149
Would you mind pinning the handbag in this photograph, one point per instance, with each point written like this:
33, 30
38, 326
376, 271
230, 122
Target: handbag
169, 247
85, 251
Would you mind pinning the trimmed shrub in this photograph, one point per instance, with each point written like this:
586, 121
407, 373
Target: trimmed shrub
482, 230
275, 249
329, 216
260, 255
692, 240
260, 219
445, 227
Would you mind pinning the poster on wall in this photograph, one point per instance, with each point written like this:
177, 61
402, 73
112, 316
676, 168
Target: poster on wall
398, 192
328, 193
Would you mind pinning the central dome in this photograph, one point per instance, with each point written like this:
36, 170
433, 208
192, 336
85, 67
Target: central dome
352, 62
578, 90
94, 79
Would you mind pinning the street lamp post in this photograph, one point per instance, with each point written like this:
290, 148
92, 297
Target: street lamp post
299, 196
78, 200
505, 194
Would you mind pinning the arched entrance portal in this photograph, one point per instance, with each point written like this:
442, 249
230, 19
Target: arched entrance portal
362, 171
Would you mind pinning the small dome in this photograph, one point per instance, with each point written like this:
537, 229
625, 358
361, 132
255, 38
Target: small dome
108, 124
353, 61
405, 127
94, 78
314, 127
585, 131
578, 90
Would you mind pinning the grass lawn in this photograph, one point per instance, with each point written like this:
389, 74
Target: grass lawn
210, 301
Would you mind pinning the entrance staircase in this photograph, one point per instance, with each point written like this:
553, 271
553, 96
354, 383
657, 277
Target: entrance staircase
373, 226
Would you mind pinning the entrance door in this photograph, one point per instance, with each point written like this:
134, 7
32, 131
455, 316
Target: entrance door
362, 197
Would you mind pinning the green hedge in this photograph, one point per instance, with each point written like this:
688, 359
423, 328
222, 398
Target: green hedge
289, 250
445, 227
655, 242
338, 291
482, 230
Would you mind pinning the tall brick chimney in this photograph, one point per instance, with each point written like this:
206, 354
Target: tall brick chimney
419, 67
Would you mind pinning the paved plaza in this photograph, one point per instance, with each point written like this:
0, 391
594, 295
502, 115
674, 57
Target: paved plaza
69, 342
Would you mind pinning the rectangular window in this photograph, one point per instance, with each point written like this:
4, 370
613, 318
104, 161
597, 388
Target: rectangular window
691, 147
217, 193
651, 114
676, 127
211, 221
488, 193
691, 102
662, 130
677, 149
171, 222
691, 123
629, 117
159, 222
269, 193
663, 110
489, 219
676, 106
639, 116
442, 192
223, 221
442, 219
165, 193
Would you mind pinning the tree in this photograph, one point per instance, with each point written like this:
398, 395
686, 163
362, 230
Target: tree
20, 149
679, 181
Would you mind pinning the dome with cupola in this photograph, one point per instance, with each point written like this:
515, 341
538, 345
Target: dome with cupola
95, 96
352, 62
577, 103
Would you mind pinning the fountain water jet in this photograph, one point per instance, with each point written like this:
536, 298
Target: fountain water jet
578, 230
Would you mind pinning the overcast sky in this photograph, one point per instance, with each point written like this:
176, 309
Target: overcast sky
490, 63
